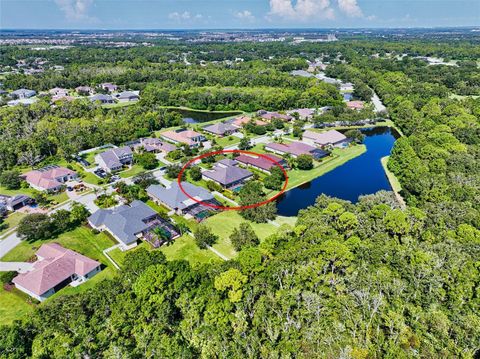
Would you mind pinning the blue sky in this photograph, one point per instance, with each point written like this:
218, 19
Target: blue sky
224, 14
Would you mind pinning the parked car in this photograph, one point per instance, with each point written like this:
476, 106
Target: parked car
100, 173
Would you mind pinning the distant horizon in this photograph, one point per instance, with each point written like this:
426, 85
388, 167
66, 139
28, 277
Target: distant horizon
248, 29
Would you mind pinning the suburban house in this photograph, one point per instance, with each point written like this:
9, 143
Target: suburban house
188, 137
22, 101
346, 87
127, 96
295, 149
109, 87
174, 199
221, 129
243, 120
50, 178
115, 159
55, 268
266, 115
128, 224
355, 105
154, 145
22, 93
58, 91
13, 203
227, 173
84, 90
260, 163
303, 113
328, 138
104, 99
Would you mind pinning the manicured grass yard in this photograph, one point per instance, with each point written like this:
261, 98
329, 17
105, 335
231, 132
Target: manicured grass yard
81, 240
222, 225
58, 198
297, 177
185, 248
227, 140
11, 221
13, 305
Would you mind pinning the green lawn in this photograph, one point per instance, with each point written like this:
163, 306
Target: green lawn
227, 141
58, 198
340, 156
14, 305
134, 170
81, 240
11, 221
222, 225
185, 248
394, 182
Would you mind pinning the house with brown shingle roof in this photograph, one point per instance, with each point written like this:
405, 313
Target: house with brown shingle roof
243, 120
260, 163
55, 268
50, 178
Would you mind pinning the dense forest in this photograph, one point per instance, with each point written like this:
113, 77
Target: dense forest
365, 280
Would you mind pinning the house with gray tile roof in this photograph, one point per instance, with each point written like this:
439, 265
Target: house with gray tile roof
104, 99
127, 96
221, 129
175, 199
114, 159
227, 174
22, 93
128, 224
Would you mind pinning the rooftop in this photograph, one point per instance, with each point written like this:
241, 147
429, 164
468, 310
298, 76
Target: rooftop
57, 264
124, 222
325, 138
226, 173
174, 197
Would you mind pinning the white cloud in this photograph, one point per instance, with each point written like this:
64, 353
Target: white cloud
302, 10
350, 8
305, 10
75, 10
184, 16
245, 15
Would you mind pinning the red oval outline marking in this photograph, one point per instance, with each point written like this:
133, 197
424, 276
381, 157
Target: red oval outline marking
237, 208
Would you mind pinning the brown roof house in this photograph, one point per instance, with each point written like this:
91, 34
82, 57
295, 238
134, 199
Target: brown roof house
267, 115
227, 174
55, 268
243, 120
260, 163
154, 145
188, 137
328, 138
50, 178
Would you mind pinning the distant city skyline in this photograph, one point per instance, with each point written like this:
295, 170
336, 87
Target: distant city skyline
244, 14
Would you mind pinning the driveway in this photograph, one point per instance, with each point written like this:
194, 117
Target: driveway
8, 243
20, 267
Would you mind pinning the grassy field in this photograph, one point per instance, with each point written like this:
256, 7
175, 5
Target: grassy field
394, 182
11, 221
340, 156
222, 225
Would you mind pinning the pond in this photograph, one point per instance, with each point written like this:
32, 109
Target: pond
361, 175
192, 116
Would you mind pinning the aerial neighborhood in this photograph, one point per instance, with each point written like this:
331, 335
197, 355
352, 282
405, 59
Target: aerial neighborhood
102, 179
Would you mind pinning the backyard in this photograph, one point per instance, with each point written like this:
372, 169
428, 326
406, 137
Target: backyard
222, 225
